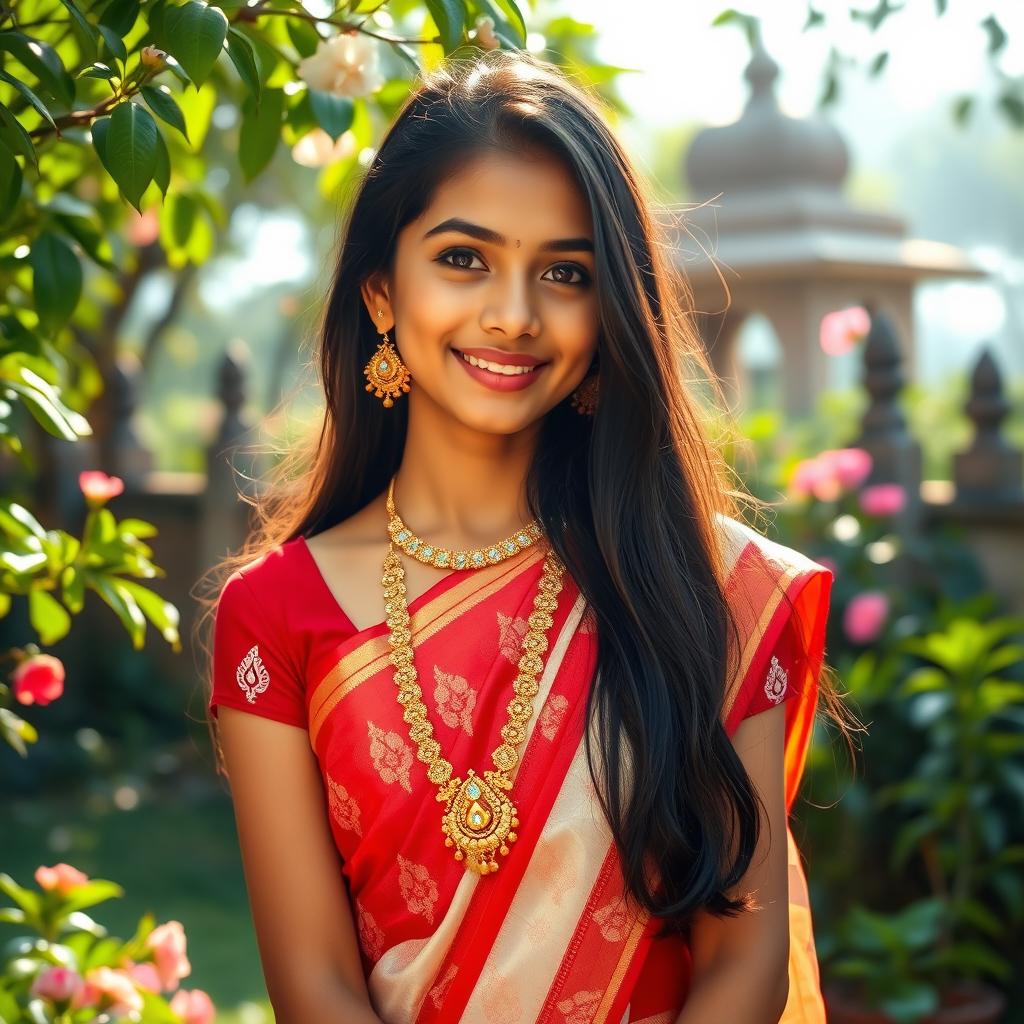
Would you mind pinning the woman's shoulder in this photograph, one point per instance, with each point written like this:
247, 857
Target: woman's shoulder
745, 550
273, 570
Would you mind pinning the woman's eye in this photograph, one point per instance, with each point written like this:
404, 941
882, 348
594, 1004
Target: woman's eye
457, 254
572, 268
461, 259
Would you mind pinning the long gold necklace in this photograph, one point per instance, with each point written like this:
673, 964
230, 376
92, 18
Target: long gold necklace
479, 819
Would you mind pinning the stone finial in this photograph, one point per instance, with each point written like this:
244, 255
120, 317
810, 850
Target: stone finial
896, 455
990, 467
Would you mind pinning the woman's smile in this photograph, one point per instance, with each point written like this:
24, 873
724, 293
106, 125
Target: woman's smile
499, 376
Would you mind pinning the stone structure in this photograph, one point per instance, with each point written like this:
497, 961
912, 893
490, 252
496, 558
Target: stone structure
789, 244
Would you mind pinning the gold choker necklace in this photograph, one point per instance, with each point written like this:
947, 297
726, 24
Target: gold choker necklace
479, 819
445, 558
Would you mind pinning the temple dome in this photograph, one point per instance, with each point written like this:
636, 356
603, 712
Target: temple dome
765, 149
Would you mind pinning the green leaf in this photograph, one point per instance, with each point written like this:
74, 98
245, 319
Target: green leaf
120, 15
29, 95
260, 131
25, 524
14, 136
49, 618
162, 172
43, 61
43, 400
114, 43
243, 56
161, 102
161, 613
10, 182
333, 113
878, 63
131, 150
997, 37
98, 70
56, 280
303, 35
450, 18
16, 731
96, 890
195, 33
513, 17
907, 1001
1013, 107
86, 28
124, 605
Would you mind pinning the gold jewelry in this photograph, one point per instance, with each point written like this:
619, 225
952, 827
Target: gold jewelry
479, 819
445, 558
584, 398
388, 376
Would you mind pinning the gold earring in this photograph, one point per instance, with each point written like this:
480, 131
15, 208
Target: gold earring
388, 376
584, 398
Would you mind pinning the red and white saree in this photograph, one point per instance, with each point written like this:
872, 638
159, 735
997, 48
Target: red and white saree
547, 938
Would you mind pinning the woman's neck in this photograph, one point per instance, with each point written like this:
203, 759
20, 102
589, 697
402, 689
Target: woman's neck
461, 487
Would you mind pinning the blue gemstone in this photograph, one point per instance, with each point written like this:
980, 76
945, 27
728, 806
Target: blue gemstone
383, 364
477, 557
473, 790
413, 545
510, 546
403, 535
427, 552
523, 539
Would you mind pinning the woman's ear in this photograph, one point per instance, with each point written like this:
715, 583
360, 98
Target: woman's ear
375, 294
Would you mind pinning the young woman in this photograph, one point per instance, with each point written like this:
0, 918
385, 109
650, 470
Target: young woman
512, 704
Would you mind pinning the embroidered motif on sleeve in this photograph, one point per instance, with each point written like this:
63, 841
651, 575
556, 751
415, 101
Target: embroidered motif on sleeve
777, 681
252, 674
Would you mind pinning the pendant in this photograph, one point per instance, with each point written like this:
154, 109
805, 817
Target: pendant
478, 821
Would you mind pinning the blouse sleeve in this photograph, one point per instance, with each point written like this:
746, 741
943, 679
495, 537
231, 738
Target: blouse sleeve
790, 661
251, 669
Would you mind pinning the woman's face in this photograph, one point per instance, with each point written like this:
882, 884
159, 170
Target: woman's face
513, 283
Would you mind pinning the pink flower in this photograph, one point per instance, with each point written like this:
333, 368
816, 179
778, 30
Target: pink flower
194, 1007
883, 499
843, 329
57, 983
38, 679
99, 488
815, 477
168, 944
61, 877
852, 466
145, 975
865, 616
111, 989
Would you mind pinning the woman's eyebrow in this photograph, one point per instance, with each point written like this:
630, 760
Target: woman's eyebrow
494, 238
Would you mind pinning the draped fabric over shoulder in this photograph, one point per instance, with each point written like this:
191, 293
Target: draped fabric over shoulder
548, 937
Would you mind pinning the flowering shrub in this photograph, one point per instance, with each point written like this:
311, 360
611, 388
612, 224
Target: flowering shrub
53, 570
68, 970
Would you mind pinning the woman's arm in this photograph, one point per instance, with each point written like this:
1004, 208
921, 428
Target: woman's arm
741, 964
300, 906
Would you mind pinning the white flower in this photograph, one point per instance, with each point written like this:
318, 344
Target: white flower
485, 36
317, 149
344, 65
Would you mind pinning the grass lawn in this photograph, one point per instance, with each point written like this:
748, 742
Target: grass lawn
176, 857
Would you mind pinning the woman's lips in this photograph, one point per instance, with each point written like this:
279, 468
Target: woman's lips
498, 381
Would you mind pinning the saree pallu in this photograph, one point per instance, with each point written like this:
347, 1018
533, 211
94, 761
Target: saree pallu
548, 937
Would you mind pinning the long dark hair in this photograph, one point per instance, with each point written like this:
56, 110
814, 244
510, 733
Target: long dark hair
628, 498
